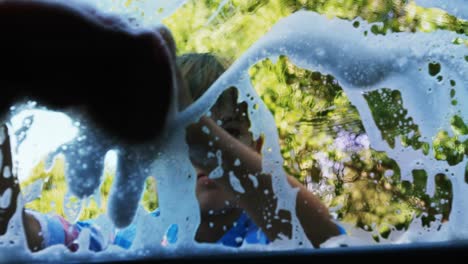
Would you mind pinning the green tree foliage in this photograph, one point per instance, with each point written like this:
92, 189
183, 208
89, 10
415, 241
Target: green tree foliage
311, 110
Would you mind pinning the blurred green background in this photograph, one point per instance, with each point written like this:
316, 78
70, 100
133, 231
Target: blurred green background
363, 187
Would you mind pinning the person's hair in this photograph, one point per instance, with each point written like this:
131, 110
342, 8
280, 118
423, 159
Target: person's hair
200, 71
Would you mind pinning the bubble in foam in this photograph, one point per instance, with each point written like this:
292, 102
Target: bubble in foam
171, 235
254, 180
206, 130
6, 172
218, 172
235, 183
5, 198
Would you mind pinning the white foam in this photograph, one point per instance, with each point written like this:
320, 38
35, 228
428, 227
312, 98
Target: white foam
41, 139
458, 8
218, 172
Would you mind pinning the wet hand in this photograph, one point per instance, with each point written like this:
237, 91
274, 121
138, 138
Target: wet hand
63, 56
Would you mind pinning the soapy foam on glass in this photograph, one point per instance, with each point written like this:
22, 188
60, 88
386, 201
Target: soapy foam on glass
457, 8
359, 64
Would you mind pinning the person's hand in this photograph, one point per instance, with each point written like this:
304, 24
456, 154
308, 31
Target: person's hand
63, 56
204, 154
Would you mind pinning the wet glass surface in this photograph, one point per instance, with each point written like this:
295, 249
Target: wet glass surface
362, 104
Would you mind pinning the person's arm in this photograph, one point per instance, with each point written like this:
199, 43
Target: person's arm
258, 200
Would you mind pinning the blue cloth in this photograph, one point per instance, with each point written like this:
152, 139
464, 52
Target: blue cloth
124, 238
243, 230
341, 229
61, 232
54, 231
96, 240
